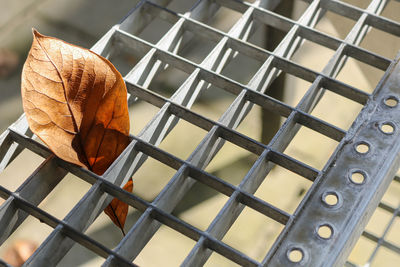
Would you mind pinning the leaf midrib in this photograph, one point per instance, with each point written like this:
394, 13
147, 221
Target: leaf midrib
75, 125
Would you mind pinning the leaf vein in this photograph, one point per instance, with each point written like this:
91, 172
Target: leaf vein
47, 78
41, 93
51, 121
63, 83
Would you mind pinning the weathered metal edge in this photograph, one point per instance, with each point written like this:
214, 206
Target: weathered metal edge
356, 202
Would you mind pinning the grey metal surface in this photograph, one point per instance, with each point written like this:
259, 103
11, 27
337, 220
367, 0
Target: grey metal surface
356, 201
346, 219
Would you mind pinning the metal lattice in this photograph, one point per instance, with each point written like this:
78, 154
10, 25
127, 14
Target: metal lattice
355, 200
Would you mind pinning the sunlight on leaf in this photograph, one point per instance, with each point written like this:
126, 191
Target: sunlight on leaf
75, 101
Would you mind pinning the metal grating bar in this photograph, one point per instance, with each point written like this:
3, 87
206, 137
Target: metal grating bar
212, 135
381, 241
298, 234
235, 87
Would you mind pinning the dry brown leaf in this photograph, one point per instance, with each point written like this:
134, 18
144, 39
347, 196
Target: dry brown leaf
75, 101
117, 210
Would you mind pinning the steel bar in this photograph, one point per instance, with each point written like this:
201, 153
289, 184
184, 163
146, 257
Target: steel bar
360, 197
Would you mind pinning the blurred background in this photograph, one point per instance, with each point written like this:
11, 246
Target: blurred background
83, 22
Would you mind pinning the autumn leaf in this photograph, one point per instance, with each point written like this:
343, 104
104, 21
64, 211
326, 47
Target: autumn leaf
117, 209
75, 101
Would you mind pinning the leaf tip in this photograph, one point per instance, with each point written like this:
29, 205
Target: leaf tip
35, 33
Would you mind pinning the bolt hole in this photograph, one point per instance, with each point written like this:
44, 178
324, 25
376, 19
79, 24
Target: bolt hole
330, 199
387, 128
391, 101
362, 148
325, 231
295, 255
357, 177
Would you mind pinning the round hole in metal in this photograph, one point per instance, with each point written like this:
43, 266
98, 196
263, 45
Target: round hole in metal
391, 101
295, 255
331, 199
325, 231
387, 128
357, 177
362, 147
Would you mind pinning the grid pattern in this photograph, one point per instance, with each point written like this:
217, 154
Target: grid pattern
344, 219
380, 241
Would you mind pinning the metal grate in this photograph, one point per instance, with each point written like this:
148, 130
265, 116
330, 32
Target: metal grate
356, 199
380, 242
